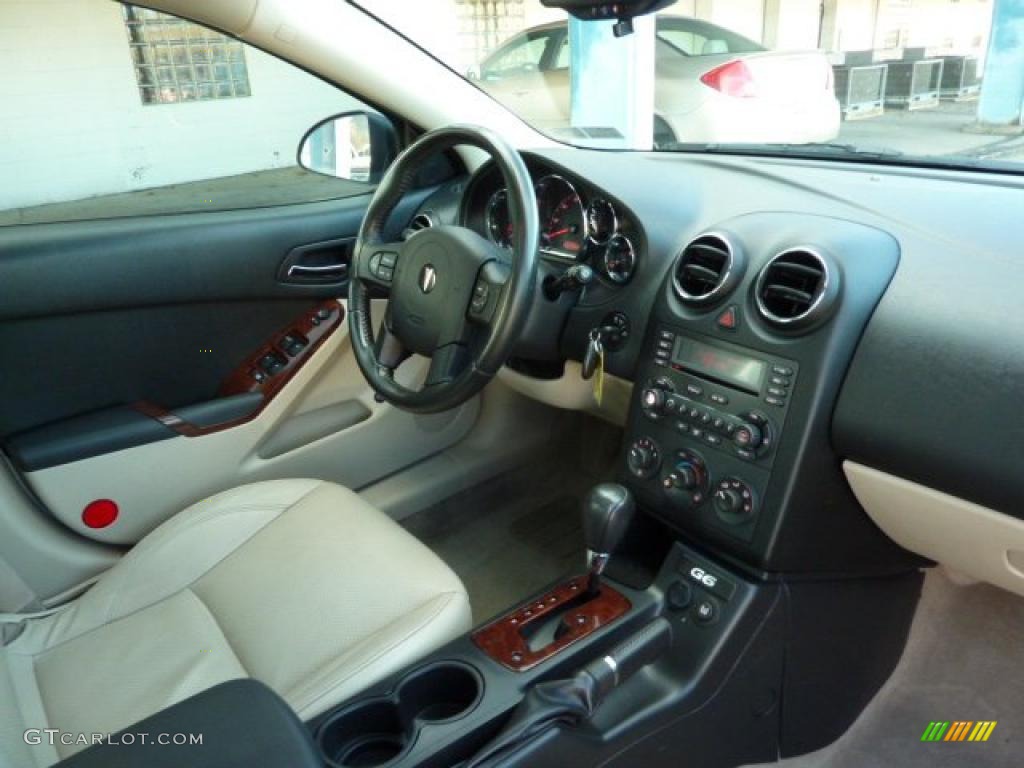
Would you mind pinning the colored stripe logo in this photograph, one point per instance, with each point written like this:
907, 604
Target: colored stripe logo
959, 730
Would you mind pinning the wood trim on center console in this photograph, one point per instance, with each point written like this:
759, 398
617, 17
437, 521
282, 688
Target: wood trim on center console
289, 349
503, 639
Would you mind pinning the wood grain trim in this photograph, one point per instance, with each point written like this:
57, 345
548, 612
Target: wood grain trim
503, 638
315, 327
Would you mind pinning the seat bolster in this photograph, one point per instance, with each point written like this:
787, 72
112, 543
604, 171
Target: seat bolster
170, 559
391, 648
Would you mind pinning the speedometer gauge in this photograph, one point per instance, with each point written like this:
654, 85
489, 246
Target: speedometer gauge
563, 220
499, 222
601, 221
619, 260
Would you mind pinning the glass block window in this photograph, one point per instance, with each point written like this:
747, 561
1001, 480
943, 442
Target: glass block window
176, 60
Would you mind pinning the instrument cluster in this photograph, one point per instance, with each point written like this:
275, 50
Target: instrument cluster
574, 226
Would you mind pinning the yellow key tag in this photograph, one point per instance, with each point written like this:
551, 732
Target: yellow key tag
599, 377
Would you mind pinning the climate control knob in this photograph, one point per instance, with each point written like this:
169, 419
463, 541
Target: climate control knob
643, 457
733, 500
686, 480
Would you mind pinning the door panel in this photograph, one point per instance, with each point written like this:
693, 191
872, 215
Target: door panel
158, 309
167, 318
154, 481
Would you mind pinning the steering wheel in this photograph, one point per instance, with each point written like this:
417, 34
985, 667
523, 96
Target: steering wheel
454, 296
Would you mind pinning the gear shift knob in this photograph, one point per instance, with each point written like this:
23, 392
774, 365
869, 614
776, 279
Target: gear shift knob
607, 512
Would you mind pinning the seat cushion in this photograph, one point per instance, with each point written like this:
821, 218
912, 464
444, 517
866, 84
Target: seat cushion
298, 583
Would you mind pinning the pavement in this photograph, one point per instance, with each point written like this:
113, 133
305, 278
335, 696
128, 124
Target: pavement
949, 129
260, 189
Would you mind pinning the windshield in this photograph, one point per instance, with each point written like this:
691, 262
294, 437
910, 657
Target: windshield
901, 81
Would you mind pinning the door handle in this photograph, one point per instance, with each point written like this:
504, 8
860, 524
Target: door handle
322, 263
319, 272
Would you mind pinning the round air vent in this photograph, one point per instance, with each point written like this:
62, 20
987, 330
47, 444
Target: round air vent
707, 269
796, 288
420, 221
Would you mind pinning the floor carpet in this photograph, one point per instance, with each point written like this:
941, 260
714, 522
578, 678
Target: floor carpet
964, 661
510, 537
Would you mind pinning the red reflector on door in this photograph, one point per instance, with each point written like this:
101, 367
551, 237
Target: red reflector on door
99, 513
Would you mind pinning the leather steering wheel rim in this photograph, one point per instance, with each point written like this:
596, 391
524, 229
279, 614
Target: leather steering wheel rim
515, 295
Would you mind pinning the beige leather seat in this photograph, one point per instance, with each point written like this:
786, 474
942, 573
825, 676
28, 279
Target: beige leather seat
298, 583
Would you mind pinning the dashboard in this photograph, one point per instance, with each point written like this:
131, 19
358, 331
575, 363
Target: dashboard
813, 341
578, 223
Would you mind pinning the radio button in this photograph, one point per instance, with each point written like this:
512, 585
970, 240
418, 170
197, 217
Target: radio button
712, 439
781, 370
776, 401
694, 390
666, 335
747, 436
719, 399
777, 391
779, 381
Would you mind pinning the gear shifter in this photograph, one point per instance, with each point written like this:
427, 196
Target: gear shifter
607, 512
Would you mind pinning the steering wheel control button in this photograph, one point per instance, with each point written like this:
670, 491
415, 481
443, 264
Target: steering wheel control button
382, 265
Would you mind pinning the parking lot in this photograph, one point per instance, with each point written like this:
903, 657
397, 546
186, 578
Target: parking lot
948, 129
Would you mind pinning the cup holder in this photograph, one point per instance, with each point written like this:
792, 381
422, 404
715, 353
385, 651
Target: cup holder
377, 731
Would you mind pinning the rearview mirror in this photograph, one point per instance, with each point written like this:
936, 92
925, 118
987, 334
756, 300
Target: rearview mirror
621, 11
356, 146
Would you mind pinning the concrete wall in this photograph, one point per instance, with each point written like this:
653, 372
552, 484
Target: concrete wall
72, 124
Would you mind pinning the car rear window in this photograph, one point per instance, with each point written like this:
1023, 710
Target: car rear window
696, 39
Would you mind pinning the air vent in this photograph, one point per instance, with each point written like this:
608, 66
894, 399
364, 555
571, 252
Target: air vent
420, 221
706, 270
796, 288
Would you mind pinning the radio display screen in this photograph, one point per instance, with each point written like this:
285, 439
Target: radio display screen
719, 364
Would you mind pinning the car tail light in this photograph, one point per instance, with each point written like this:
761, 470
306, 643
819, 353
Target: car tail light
732, 79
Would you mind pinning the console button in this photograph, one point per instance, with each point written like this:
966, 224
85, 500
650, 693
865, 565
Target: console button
778, 402
705, 611
747, 436
781, 370
694, 390
729, 319
719, 399
778, 381
679, 595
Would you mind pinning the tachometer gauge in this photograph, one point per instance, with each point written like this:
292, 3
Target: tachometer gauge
499, 222
619, 260
601, 221
563, 222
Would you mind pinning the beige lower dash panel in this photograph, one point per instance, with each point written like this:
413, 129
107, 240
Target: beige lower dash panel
976, 540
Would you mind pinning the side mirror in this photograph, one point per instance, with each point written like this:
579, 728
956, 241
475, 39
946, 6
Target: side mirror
357, 146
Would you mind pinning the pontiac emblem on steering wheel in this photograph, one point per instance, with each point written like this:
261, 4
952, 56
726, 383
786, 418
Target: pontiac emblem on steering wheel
428, 278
